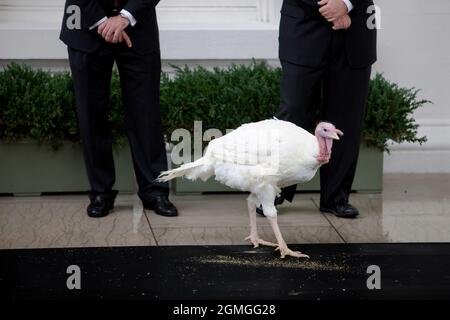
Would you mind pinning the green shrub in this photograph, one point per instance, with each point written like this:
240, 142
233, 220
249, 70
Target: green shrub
40, 106
222, 99
389, 114
36, 105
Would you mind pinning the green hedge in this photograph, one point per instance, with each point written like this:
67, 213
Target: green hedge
39, 105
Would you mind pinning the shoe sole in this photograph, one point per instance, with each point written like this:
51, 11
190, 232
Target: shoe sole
109, 211
162, 215
347, 216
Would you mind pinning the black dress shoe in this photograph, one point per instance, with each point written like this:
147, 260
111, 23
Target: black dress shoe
161, 205
341, 210
101, 204
278, 201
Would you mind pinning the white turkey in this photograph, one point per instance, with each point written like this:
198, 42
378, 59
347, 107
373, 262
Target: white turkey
261, 158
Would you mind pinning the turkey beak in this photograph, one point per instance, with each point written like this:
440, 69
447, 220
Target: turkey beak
336, 134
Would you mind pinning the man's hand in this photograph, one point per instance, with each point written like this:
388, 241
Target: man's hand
342, 23
112, 30
332, 9
124, 37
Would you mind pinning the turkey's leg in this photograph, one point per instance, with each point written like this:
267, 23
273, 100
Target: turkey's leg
282, 246
253, 237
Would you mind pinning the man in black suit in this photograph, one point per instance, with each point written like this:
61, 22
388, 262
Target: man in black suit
326, 52
99, 33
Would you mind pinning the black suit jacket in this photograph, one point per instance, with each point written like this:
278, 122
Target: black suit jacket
305, 36
144, 35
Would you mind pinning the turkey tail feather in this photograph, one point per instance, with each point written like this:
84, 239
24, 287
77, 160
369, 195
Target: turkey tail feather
188, 169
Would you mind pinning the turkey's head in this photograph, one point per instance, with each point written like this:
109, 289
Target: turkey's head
325, 134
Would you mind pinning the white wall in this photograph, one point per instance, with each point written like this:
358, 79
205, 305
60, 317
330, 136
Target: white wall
413, 51
190, 29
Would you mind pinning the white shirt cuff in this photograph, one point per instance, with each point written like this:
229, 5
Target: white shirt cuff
349, 5
98, 23
129, 16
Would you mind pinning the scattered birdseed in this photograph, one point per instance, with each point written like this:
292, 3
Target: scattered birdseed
271, 263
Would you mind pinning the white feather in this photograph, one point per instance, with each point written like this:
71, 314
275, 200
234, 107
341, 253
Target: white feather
259, 157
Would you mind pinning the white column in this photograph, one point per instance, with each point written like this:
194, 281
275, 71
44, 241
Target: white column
269, 10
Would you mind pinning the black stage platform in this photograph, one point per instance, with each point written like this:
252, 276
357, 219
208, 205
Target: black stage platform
408, 271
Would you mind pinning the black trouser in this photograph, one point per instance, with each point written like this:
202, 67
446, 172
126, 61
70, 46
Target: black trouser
140, 81
344, 91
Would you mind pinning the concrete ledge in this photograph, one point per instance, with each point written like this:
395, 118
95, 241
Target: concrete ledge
254, 40
417, 161
433, 156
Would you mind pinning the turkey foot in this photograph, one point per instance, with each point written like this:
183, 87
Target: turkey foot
257, 241
253, 237
282, 246
285, 251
